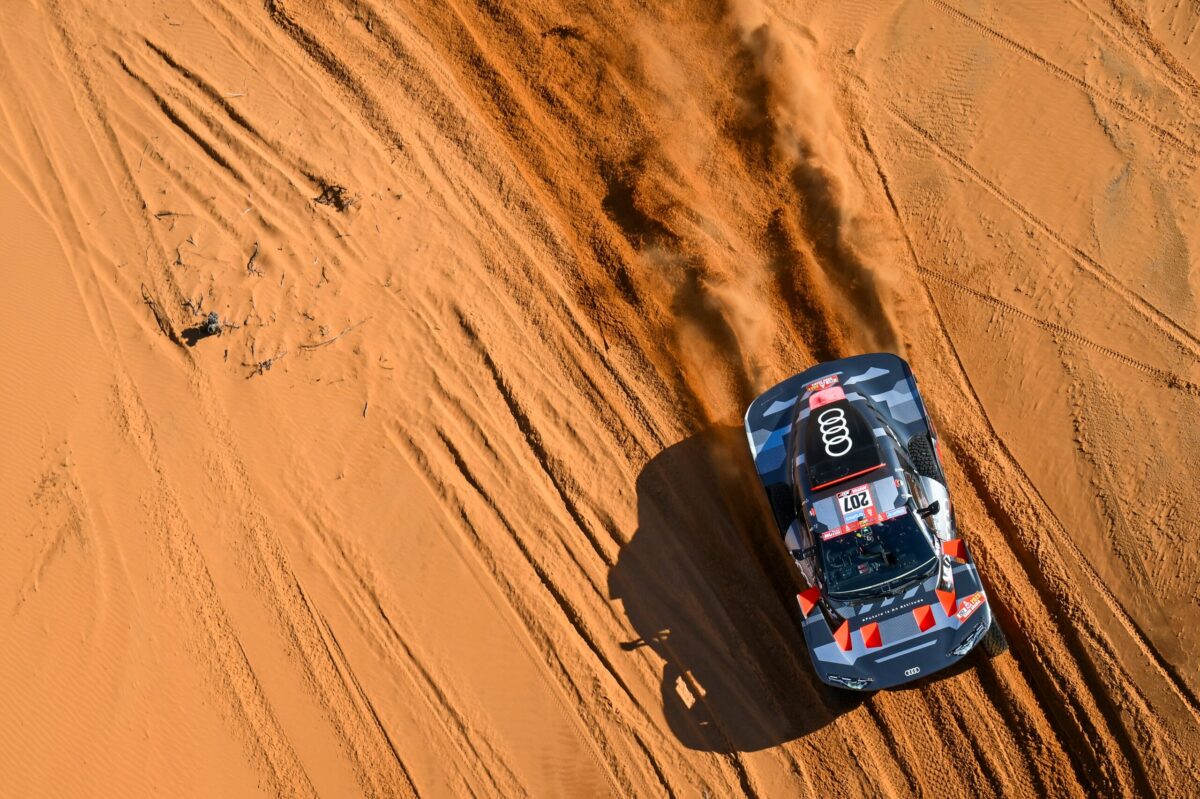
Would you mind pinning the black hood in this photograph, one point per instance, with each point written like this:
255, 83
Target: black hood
839, 442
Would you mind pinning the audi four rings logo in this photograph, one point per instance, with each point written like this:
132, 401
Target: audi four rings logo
835, 432
912, 671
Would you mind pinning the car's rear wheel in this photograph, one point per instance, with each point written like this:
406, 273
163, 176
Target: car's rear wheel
924, 460
993, 642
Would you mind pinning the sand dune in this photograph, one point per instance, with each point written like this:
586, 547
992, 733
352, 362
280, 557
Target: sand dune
457, 501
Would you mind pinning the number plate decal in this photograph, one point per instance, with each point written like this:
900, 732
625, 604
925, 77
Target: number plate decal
856, 505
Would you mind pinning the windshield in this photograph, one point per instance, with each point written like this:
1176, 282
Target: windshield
872, 557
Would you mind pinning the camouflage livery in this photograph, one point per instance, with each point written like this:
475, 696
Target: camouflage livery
841, 449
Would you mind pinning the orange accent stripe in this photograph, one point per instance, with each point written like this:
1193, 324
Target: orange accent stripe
842, 636
949, 601
808, 600
847, 477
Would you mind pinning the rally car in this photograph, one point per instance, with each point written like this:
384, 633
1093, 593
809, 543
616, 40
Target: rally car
852, 468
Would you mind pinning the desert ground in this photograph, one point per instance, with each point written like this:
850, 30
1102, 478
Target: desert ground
452, 497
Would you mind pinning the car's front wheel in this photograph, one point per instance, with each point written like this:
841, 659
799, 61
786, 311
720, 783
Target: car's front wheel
924, 460
993, 642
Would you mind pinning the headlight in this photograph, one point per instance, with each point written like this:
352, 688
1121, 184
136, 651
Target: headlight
970, 641
853, 683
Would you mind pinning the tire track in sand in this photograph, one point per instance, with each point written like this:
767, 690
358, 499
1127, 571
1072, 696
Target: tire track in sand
1161, 665
1181, 336
419, 459
1093, 675
1081, 638
1167, 65
1065, 682
1165, 376
1130, 18
379, 769
390, 631
1159, 132
280, 179
223, 652
179, 122
360, 97
269, 746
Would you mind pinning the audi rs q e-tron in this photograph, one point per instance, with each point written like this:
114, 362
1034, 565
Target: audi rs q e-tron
852, 468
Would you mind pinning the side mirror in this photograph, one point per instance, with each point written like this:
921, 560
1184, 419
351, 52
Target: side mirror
933, 508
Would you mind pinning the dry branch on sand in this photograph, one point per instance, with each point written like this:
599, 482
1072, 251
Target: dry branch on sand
259, 367
333, 338
250, 267
160, 317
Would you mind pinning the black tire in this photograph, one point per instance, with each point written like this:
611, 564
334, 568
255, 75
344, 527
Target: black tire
924, 460
993, 643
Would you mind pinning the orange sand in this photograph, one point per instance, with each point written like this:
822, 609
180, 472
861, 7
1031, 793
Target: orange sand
458, 503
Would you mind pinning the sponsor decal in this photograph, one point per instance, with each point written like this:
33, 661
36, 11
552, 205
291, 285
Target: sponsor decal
872, 516
912, 672
891, 610
856, 504
969, 605
829, 535
835, 432
822, 384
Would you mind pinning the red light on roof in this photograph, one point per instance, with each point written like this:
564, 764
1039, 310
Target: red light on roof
957, 549
826, 396
842, 636
870, 635
924, 617
808, 600
948, 600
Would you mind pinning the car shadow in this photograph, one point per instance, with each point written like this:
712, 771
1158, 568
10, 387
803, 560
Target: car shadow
707, 585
